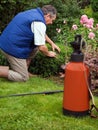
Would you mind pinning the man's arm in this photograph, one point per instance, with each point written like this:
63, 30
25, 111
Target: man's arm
53, 45
44, 50
39, 30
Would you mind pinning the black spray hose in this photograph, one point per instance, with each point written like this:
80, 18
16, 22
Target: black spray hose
32, 93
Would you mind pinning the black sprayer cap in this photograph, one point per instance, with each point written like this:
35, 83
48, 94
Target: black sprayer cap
77, 57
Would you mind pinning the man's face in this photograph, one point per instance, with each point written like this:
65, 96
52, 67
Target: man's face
49, 19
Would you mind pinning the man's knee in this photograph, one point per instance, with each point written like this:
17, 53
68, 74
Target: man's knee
15, 76
25, 78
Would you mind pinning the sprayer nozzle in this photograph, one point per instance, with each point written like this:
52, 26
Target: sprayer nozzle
78, 43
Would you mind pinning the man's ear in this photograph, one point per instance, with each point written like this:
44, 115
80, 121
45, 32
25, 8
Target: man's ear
47, 15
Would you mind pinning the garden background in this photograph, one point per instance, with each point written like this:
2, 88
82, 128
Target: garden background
44, 112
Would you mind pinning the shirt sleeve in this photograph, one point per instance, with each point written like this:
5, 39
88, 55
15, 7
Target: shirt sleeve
39, 30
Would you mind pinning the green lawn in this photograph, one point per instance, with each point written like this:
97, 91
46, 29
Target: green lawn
38, 112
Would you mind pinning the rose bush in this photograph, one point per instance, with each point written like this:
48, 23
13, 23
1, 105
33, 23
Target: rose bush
88, 28
84, 26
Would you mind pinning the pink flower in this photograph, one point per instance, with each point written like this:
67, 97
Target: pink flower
90, 23
91, 35
74, 27
83, 19
64, 22
58, 30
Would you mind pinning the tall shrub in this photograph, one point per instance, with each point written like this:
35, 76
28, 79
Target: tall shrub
94, 5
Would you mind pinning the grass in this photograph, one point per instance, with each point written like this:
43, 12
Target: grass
38, 112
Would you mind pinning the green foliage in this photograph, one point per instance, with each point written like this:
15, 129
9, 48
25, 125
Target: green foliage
95, 15
88, 11
46, 66
10, 8
94, 4
83, 3
3, 60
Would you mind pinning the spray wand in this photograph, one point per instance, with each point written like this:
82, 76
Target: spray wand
32, 93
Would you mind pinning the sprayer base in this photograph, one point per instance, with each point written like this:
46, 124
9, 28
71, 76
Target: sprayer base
75, 113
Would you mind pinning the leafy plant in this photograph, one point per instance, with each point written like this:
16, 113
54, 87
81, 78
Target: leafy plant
94, 6
46, 66
3, 60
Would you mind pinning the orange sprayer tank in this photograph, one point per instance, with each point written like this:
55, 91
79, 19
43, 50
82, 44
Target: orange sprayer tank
76, 93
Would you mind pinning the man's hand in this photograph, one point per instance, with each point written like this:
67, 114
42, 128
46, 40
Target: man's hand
51, 54
55, 47
45, 51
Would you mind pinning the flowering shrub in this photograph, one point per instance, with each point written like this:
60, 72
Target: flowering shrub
89, 31
91, 35
84, 26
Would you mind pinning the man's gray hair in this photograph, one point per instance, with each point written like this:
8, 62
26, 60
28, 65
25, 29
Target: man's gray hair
49, 9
